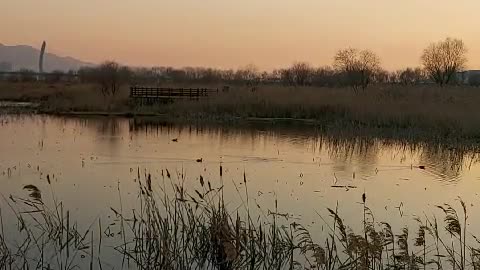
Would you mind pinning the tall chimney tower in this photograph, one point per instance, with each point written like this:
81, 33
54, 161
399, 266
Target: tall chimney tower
42, 53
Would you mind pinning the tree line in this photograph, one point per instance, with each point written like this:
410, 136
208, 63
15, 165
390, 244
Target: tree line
347, 73
441, 63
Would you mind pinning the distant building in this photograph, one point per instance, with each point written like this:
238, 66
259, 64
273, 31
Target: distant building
471, 77
6, 66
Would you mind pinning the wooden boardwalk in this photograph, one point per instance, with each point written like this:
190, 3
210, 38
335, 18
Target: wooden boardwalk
163, 93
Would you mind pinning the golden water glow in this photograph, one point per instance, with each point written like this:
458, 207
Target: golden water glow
229, 34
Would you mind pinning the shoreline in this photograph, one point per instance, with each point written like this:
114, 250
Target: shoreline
412, 114
171, 117
333, 127
23, 107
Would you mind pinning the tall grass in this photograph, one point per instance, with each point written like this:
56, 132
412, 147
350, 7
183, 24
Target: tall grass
422, 110
172, 228
179, 230
46, 238
64, 97
182, 231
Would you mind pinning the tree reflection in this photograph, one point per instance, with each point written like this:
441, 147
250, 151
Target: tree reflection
346, 150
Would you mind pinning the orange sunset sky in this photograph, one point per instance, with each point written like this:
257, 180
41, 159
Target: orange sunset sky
231, 34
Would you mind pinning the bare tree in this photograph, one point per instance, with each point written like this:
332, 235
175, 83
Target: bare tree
286, 76
110, 75
359, 67
442, 60
106, 76
302, 73
410, 76
249, 74
325, 76
381, 76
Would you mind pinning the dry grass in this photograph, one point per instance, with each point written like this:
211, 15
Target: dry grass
63, 97
430, 110
449, 112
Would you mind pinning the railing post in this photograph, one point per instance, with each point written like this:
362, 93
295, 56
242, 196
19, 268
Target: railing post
153, 93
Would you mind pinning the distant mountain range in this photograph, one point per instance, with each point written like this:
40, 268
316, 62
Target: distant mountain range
26, 57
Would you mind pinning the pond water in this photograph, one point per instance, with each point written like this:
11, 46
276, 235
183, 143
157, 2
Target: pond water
88, 160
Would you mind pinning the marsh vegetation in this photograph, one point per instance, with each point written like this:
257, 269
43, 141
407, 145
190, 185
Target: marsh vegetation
173, 228
443, 113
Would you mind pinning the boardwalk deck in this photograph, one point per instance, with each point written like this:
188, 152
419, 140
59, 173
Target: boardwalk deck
162, 93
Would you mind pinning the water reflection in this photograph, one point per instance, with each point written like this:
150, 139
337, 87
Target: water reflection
447, 163
346, 152
442, 160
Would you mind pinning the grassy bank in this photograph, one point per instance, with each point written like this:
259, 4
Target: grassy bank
173, 228
63, 97
449, 112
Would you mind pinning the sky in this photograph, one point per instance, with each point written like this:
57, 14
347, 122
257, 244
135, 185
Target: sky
232, 34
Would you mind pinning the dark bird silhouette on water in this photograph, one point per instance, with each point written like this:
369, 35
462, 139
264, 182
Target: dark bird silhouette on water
175, 140
399, 207
200, 160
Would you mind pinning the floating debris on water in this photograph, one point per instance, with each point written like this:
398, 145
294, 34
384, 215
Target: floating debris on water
343, 186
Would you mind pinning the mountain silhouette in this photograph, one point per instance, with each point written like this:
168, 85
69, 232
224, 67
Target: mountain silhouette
27, 57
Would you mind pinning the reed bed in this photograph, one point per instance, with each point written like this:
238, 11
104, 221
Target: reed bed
422, 110
172, 228
64, 97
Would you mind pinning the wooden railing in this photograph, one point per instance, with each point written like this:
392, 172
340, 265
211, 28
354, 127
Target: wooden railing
163, 92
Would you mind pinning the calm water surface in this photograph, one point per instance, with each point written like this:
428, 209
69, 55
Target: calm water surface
89, 158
